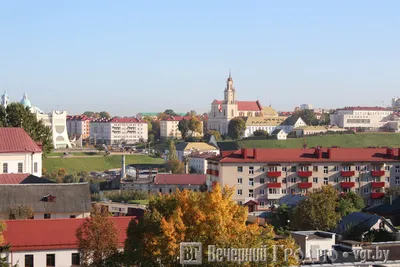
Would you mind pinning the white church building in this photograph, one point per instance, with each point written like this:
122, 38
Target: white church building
56, 120
222, 111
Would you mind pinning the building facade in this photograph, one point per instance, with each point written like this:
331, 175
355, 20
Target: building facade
266, 175
169, 127
19, 153
369, 118
78, 126
198, 162
57, 121
222, 111
118, 130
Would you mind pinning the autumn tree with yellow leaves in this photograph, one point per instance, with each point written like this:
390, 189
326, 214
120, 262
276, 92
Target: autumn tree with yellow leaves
211, 218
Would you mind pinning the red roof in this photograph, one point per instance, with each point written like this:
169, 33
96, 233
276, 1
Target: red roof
13, 178
180, 179
78, 118
16, 140
249, 105
120, 120
52, 234
287, 155
365, 108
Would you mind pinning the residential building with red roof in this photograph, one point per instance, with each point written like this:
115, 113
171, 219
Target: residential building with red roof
222, 111
19, 153
78, 126
368, 118
118, 130
169, 127
50, 242
264, 176
166, 183
198, 161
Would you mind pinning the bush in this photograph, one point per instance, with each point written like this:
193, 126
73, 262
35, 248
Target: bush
126, 196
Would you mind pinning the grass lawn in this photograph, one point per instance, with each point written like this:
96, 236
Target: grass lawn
73, 165
342, 140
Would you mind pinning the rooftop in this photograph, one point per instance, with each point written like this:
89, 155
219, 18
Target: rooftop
180, 179
365, 108
16, 140
21, 178
52, 234
120, 120
195, 146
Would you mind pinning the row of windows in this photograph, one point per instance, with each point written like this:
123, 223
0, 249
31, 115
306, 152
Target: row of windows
316, 180
51, 260
316, 168
20, 167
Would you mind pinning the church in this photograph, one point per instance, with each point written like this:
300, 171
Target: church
222, 111
56, 120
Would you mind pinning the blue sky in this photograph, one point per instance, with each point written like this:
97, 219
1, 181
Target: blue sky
132, 56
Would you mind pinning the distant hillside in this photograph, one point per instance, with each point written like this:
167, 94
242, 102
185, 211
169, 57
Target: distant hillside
342, 140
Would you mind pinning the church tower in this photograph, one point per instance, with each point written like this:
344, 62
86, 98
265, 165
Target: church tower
5, 100
229, 93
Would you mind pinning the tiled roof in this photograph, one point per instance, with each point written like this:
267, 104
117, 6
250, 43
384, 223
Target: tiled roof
312, 128
180, 179
52, 234
269, 111
365, 108
288, 155
249, 105
264, 121
78, 118
22, 178
16, 140
194, 146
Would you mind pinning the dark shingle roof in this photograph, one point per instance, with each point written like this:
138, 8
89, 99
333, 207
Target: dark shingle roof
68, 197
386, 208
291, 120
228, 146
276, 131
357, 218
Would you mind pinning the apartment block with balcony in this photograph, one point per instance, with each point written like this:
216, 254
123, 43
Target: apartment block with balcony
78, 126
262, 177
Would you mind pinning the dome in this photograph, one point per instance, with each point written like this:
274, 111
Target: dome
25, 101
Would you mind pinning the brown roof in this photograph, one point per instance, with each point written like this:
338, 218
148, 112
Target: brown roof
22, 178
16, 140
180, 179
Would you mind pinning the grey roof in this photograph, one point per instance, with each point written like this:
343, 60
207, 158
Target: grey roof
181, 146
357, 218
228, 146
276, 131
386, 208
68, 197
291, 200
291, 120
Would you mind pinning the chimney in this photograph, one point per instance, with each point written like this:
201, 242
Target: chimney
255, 153
329, 153
244, 153
389, 152
318, 152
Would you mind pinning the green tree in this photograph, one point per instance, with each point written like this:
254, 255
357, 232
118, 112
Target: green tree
20, 213
104, 114
236, 128
97, 238
209, 133
195, 125
317, 211
308, 116
281, 219
260, 133
170, 112
183, 127
69, 179
175, 166
349, 203
191, 113
88, 113
3, 119
18, 116
151, 137
155, 125
172, 150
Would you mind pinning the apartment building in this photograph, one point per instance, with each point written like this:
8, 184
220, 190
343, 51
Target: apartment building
118, 130
369, 118
262, 176
169, 127
78, 126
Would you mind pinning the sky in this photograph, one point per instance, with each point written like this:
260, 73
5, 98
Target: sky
133, 56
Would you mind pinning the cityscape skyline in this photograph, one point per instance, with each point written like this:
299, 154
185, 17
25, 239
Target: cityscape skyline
156, 55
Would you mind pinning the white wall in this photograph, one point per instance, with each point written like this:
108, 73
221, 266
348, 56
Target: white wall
63, 257
27, 159
199, 164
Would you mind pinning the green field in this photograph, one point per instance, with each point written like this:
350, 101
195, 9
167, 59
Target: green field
342, 140
73, 165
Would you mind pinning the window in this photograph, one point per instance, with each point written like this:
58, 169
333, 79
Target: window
262, 169
397, 170
326, 170
358, 168
76, 259
346, 168
273, 169
240, 203
397, 181
366, 190
20, 167
284, 191
315, 168
303, 191
336, 168
347, 179
5, 167
262, 203
262, 192
387, 179
292, 179
293, 191
170, 190
336, 179
365, 179
72, 216
273, 191
160, 190
284, 169
51, 260
273, 180
304, 168
251, 170
326, 180
29, 260
284, 180
346, 190
262, 180
315, 180
47, 216
35, 167
239, 192
357, 190
240, 169
251, 193
293, 169
240, 181
387, 168
251, 181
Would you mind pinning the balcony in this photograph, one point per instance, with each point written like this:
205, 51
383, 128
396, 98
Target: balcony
215, 172
378, 184
347, 184
304, 173
377, 173
275, 196
304, 185
377, 195
347, 173
273, 174
274, 185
